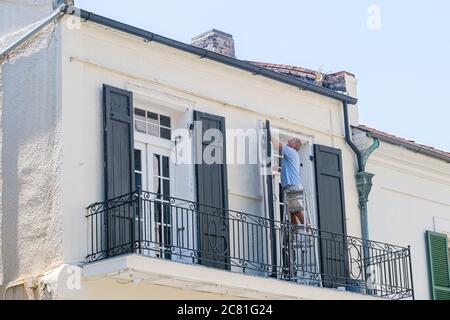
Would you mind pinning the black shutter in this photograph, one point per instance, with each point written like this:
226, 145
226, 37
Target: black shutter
331, 213
118, 165
118, 142
212, 192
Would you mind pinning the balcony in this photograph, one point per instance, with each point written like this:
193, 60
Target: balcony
183, 231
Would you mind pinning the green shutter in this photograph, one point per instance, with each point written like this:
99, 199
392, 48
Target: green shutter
439, 265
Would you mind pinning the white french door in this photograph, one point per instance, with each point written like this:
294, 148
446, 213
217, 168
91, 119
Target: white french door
154, 175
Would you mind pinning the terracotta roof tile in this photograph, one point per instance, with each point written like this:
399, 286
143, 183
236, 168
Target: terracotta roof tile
311, 75
333, 81
407, 141
283, 67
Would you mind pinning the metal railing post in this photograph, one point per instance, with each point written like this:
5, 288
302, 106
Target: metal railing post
410, 273
107, 234
367, 273
291, 248
139, 197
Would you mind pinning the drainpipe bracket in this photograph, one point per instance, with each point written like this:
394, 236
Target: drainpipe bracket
365, 154
364, 186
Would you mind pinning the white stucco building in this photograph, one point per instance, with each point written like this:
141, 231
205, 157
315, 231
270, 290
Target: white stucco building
104, 194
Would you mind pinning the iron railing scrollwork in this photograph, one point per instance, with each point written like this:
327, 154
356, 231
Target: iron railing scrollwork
189, 232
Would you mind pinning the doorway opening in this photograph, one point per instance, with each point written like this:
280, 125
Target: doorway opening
306, 174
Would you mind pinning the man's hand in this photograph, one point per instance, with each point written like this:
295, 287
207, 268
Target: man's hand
274, 138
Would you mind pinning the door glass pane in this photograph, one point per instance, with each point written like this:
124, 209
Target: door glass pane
157, 211
160, 174
156, 165
157, 185
166, 234
281, 201
137, 168
137, 160
165, 167
166, 217
138, 180
166, 188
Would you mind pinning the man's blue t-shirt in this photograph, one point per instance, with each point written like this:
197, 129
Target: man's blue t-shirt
290, 167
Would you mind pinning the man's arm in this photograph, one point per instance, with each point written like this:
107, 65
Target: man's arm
276, 143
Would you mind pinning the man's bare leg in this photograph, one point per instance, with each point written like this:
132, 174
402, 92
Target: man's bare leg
297, 217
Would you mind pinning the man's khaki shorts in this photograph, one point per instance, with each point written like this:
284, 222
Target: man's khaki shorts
294, 198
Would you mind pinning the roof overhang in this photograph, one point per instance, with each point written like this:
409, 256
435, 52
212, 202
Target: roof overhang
206, 54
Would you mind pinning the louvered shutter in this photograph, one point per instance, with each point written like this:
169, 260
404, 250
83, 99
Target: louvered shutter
439, 265
331, 212
119, 167
212, 195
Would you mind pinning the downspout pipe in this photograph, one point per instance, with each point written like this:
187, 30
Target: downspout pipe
363, 178
364, 185
349, 140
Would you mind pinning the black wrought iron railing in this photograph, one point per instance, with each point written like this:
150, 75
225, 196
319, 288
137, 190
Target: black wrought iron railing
189, 232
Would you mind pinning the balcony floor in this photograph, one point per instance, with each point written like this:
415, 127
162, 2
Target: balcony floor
142, 269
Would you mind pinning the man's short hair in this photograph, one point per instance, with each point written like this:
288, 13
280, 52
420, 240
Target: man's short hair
297, 141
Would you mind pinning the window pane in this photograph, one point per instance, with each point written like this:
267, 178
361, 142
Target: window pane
140, 126
165, 133
138, 180
166, 213
139, 114
156, 165
137, 160
167, 242
164, 121
165, 167
153, 130
152, 117
157, 185
166, 188
157, 211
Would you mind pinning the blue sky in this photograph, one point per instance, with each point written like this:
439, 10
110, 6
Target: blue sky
402, 67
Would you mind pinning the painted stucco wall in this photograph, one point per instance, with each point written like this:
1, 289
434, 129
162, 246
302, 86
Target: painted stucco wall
1, 179
93, 56
18, 14
410, 195
31, 156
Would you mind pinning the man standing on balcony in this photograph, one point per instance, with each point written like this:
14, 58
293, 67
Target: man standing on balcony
290, 172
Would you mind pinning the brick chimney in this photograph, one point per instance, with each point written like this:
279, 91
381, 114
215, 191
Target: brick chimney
216, 41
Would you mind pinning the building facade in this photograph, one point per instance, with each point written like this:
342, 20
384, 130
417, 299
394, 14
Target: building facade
138, 167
